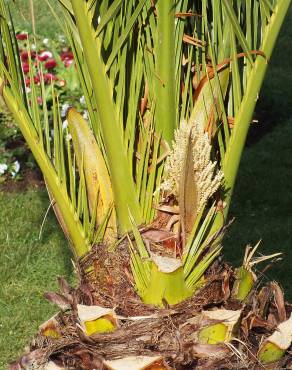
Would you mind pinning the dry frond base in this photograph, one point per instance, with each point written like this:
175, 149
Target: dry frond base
164, 332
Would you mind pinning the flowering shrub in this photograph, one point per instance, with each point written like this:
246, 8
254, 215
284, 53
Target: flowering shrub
52, 62
12, 150
13, 168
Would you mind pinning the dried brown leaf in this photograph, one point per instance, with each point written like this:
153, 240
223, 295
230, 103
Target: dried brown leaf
58, 299
263, 299
272, 321
279, 301
225, 285
258, 322
29, 360
209, 351
86, 294
14, 366
188, 192
88, 360
63, 285
157, 235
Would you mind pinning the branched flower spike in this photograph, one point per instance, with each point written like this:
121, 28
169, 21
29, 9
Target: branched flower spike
175, 160
206, 180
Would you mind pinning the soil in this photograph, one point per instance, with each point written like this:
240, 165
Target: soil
31, 179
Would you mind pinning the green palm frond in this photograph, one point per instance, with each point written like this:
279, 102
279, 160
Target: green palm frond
270, 21
144, 68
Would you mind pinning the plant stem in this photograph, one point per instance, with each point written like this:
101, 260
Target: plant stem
165, 70
32, 16
122, 180
76, 234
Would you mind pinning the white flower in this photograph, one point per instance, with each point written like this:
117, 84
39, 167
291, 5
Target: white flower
64, 109
82, 100
46, 53
3, 168
27, 90
98, 19
33, 46
61, 38
68, 137
65, 124
16, 166
46, 41
85, 114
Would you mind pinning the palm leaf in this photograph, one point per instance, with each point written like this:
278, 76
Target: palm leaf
142, 71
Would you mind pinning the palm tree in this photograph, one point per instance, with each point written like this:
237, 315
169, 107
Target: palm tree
142, 189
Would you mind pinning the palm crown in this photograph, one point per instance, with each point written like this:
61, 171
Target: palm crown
170, 88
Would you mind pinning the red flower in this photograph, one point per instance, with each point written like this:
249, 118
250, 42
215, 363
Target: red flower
49, 77
68, 63
50, 64
39, 100
37, 79
67, 55
44, 55
25, 67
24, 55
27, 82
22, 36
42, 58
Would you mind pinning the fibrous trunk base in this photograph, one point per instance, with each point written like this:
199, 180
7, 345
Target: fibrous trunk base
170, 332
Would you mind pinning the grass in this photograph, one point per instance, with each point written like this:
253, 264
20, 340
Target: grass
46, 25
262, 205
262, 201
28, 268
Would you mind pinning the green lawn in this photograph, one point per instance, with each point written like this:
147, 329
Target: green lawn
28, 268
46, 25
262, 205
262, 202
